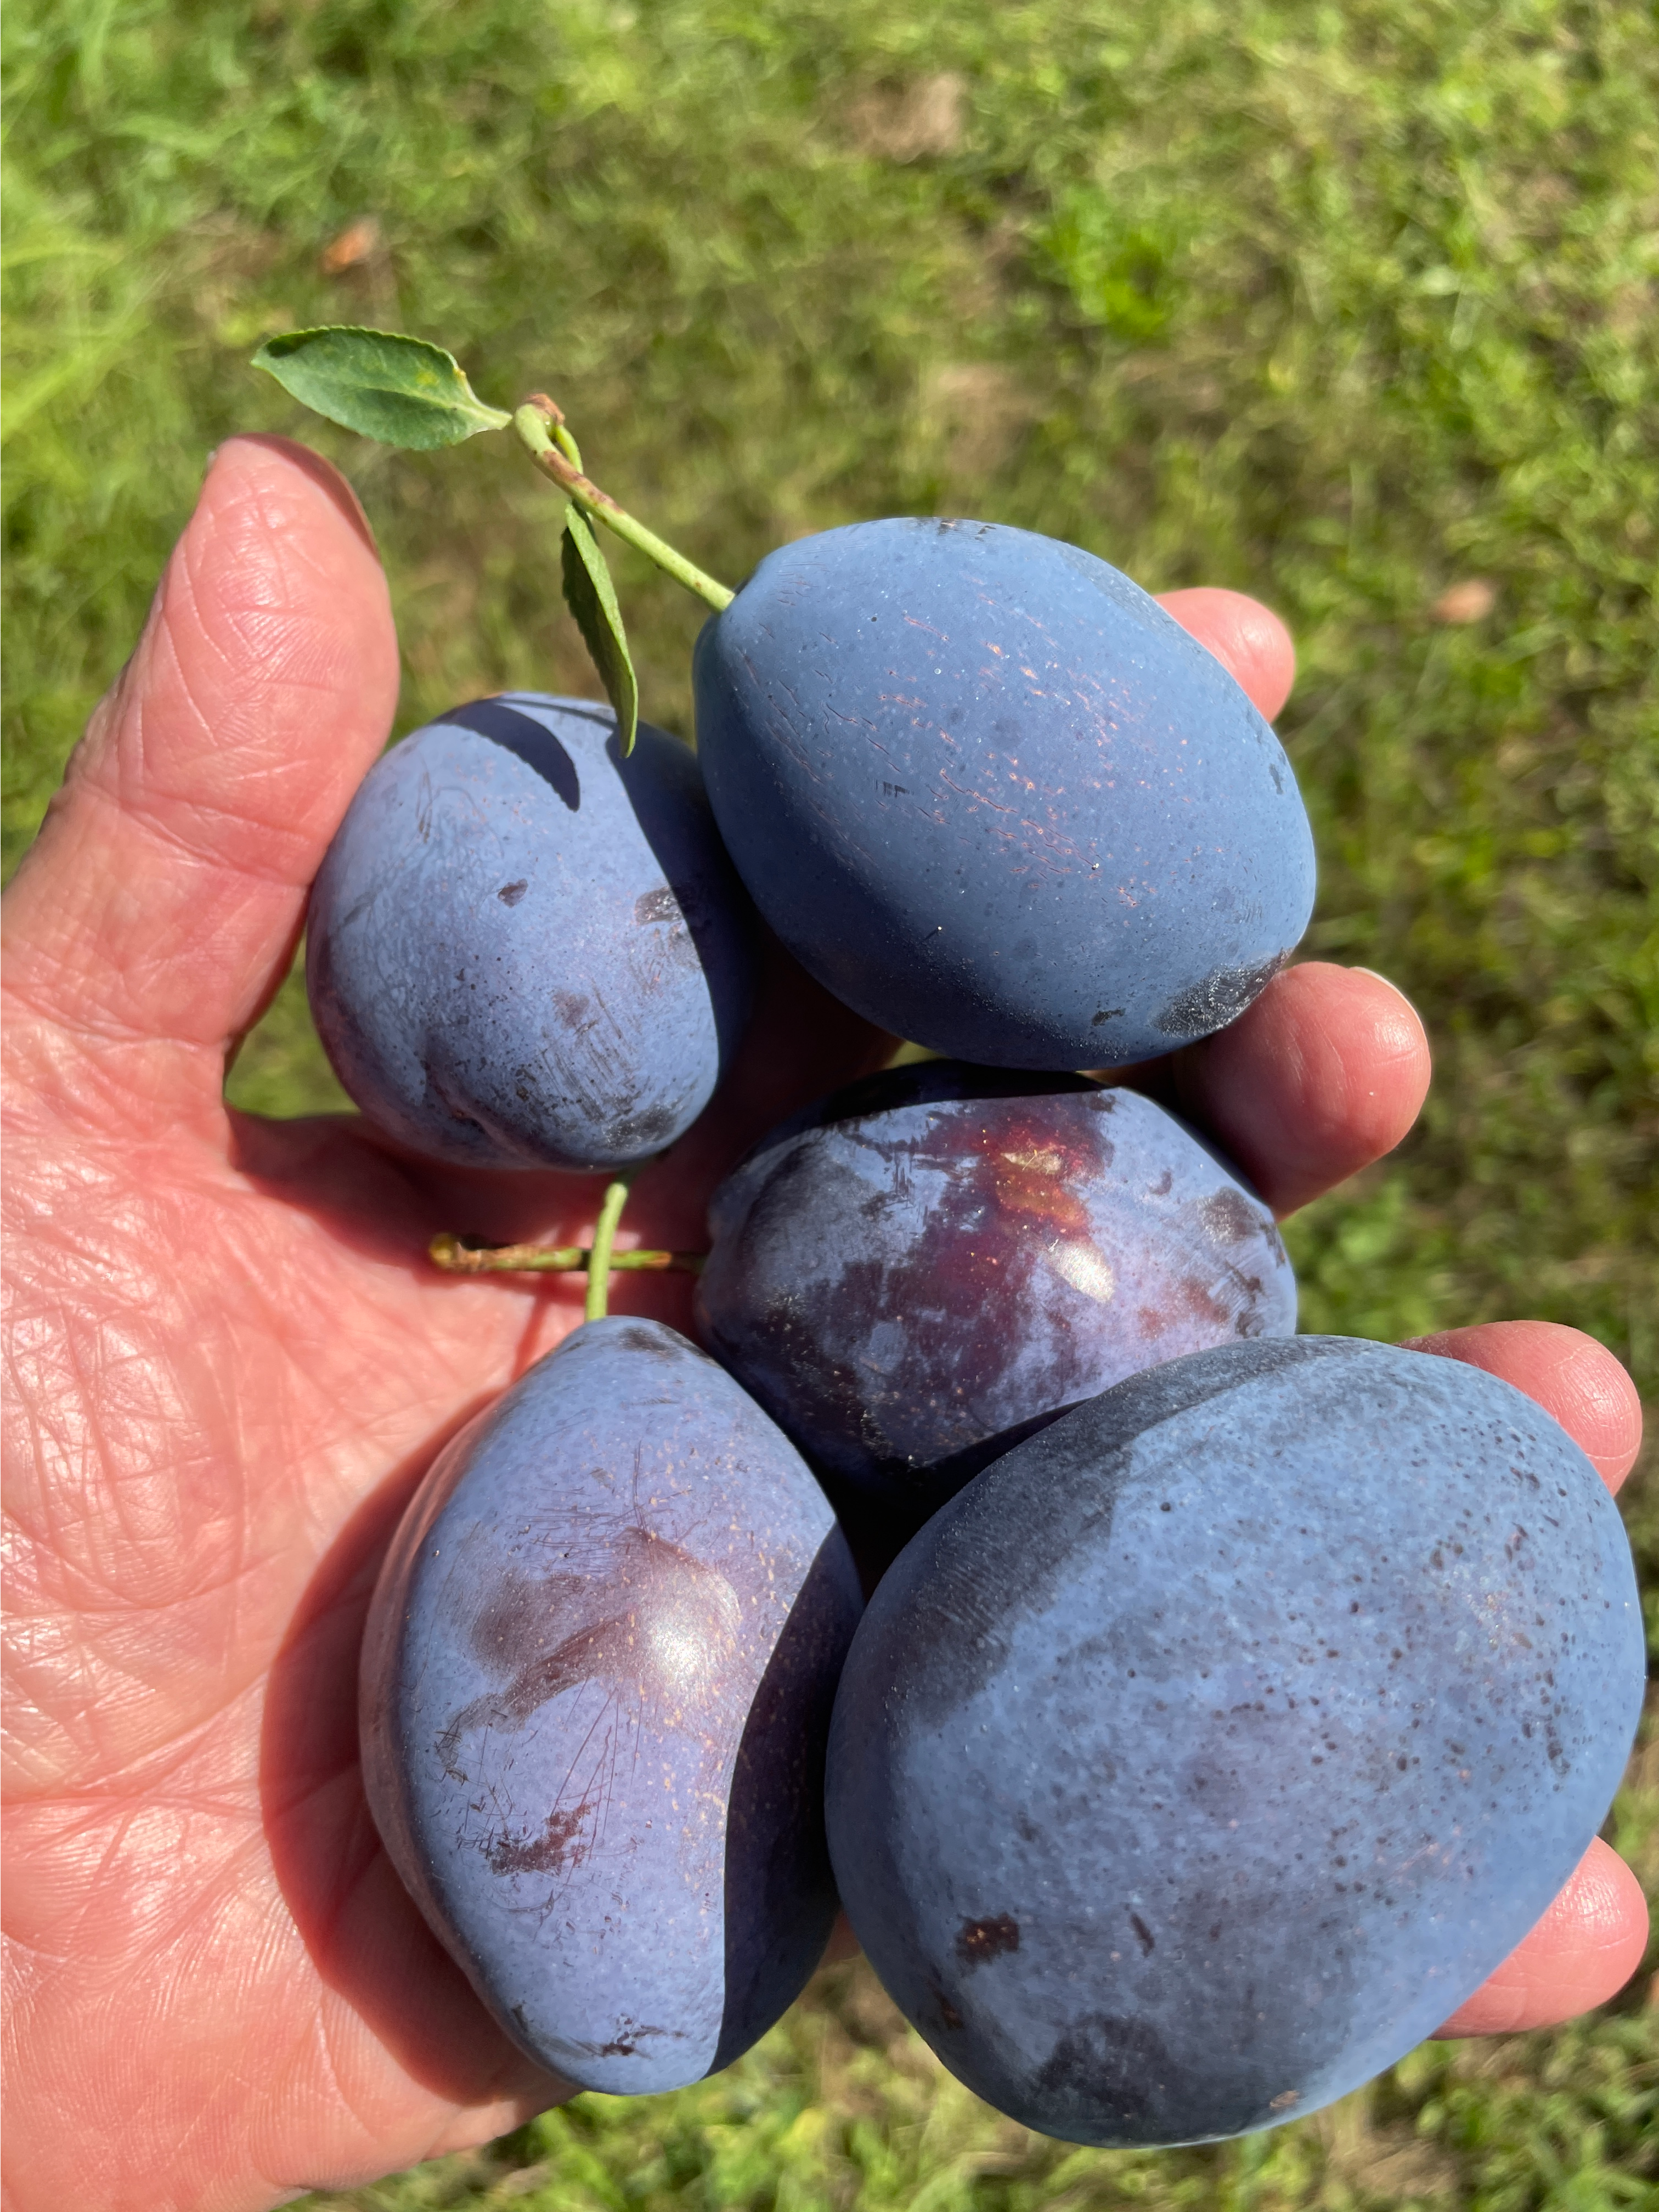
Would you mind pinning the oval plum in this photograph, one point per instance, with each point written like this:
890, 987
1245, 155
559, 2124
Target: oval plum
595, 1693
524, 951
995, 799
916, 1272
1214, 1746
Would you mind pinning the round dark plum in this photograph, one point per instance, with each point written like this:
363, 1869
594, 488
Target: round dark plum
595, 1693
1214, 1746
524, 951
918, 1270
995, 799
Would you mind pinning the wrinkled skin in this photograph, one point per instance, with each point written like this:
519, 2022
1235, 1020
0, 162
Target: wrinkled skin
228, 1363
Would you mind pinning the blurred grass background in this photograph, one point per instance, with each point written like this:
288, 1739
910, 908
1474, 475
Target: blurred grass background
1355, 308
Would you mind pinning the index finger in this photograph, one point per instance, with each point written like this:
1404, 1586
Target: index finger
1247, 639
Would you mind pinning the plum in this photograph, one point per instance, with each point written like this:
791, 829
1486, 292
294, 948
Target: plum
524, 951
995, 799
595, 1693
919, 1270
1212, 1747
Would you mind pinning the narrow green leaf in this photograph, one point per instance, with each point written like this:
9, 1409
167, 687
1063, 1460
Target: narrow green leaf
402, 391
592, 597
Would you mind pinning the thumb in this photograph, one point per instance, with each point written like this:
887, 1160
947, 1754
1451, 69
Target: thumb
159, 903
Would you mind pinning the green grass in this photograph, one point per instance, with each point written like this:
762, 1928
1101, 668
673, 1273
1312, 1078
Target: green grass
1339, 306
841, 2107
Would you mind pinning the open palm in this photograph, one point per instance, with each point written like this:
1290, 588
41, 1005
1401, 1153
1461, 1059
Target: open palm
228, 1363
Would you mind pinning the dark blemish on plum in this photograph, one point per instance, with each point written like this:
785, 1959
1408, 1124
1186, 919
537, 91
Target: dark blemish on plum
949, 2016
357, 908
510, 894
551, 1853
980, 1940
573, 1005
651, 1343
1107, 1014
1143, 1934
512, 1621
627, 2045
647, 1129
1228, 1219
657, 1621
660, 905
522, 735
1220, 998
683, 914
1105, 2063
456, 1108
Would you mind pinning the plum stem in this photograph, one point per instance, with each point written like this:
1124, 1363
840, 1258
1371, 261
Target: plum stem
540, 426
466, 1255
598, 1260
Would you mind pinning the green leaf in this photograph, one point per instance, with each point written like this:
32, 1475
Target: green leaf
402, 391
592, 597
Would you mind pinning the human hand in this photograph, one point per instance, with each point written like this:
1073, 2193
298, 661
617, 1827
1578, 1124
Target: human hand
229, 1362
